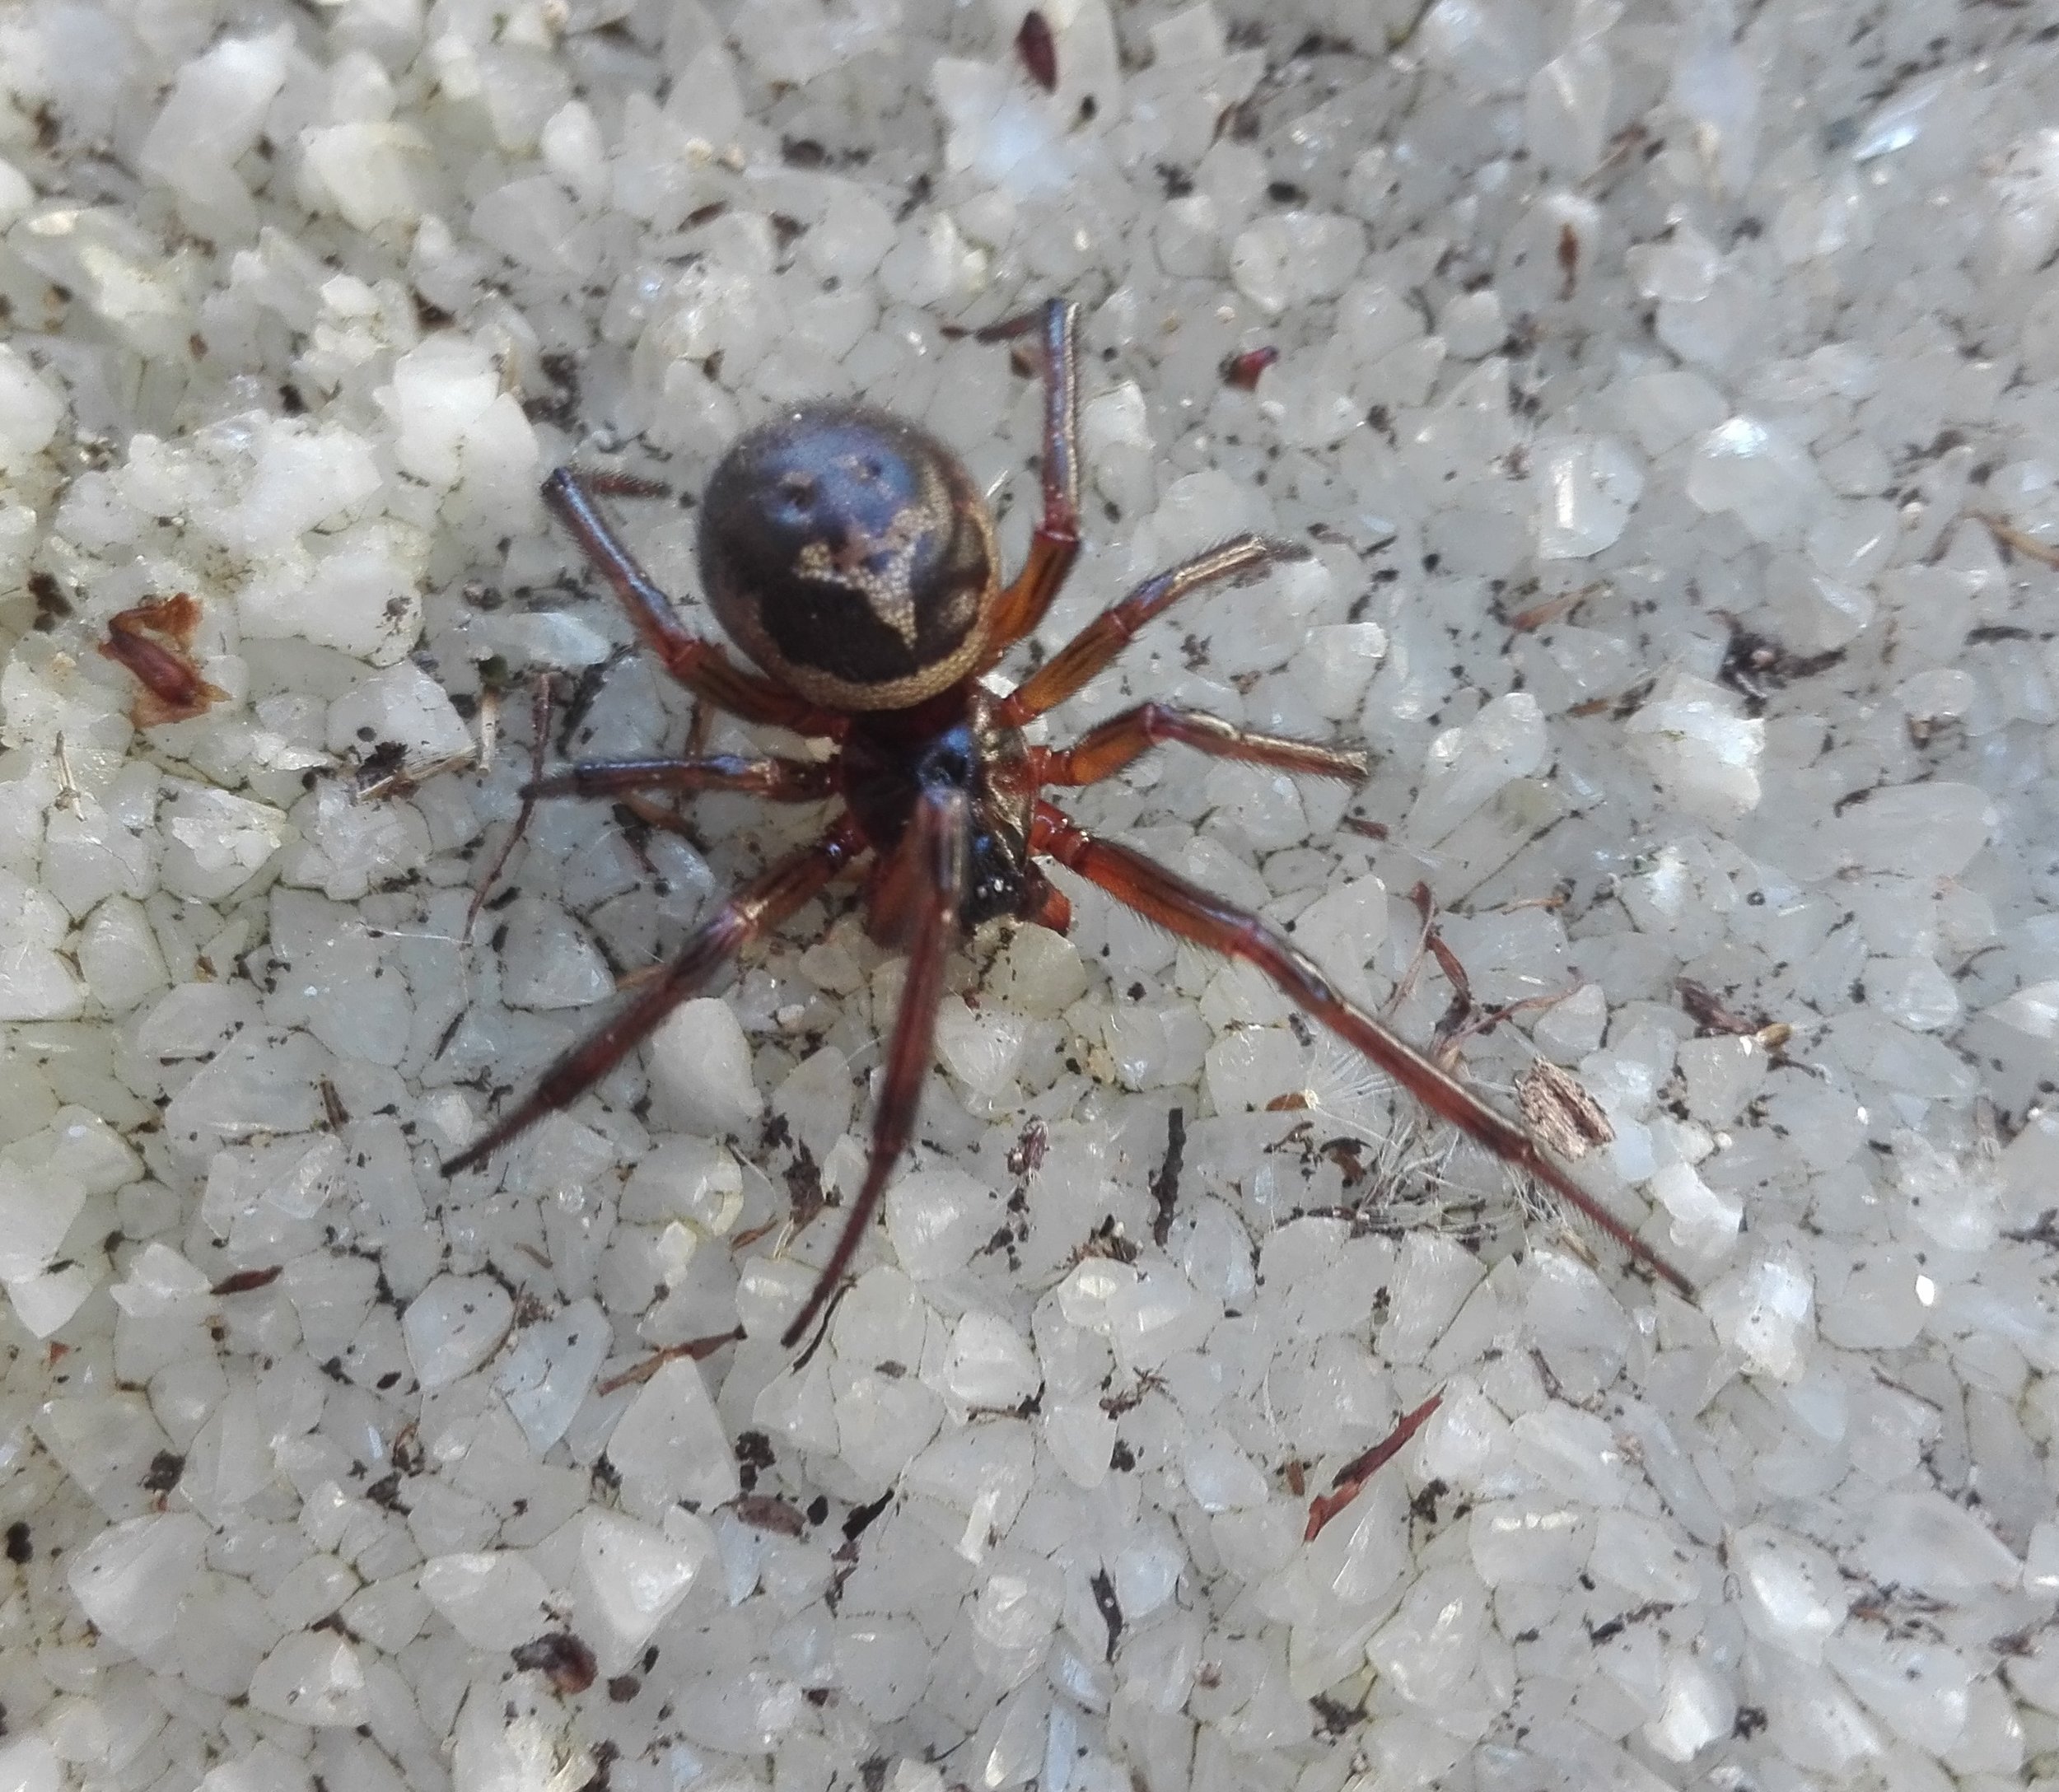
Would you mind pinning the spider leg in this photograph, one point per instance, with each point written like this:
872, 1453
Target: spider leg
1193, 914
779, 780
1102, 752
754, 910
702, 666
1056, 543
917, 894
1091, 650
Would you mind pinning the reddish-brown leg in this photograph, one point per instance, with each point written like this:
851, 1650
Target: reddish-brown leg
914, 900
1102, 752
700, 665
1117, 626
779, 780
1182, 908
758, 906
1056, 543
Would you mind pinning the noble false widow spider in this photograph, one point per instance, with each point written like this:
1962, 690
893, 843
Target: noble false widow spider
848, 553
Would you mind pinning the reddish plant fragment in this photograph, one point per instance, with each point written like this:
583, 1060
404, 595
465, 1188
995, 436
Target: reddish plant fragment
243, 1281
1038, 50
764, 1513
1352, 1478
153, 641
1242, 370
694, 1350
561, 1658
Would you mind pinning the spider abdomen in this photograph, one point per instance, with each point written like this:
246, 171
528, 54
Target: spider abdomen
848, 554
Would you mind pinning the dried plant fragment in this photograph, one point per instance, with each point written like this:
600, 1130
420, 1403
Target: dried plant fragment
1242, 370
154, 641
1350, 1480
1038, 50
1562, 1115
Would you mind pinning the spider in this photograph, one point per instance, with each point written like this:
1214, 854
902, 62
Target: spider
848, 553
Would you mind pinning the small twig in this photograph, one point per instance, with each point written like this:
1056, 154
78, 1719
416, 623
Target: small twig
2010, 536
694, 1349
1426, 907
1708, 1007
539, 716
1350, 1480
1166, 1184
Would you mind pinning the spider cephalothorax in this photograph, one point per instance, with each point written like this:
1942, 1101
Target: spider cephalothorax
849, 555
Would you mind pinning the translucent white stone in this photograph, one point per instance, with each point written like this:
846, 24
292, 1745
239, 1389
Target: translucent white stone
1219, 1475
1716, 84
36, 1210
1764, 1314
1940, 694
1925, 1541
546, 960
1644, 1557
990, 1363
1485, 46
1013, 1614
1574, 1454
700, 1066
1699, 1707
1912, 993
1463, 1439
1472, 324
494, 1598
30, 1764
162, 1283
549, 1367
1567, 114
630, 1577
884, 1664
1252, 1066
1431, 1647
1667, 409
130, 1580
932, 264
1920, 1689
982, 1047
369, 174
314, 1678
36, 984
1586, 491
1682, 269
1528, 1541
1295, 258
360, 597
2032, 1010
1465, 767
1936, 826
454, 1325
1703, 750
1795, 1596
33, 411
1704, 1221
669, 1445
1756, 470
